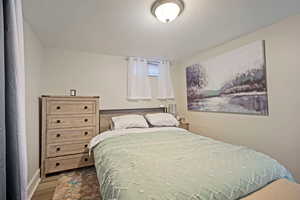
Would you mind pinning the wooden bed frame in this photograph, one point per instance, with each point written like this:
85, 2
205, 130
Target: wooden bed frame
106, 115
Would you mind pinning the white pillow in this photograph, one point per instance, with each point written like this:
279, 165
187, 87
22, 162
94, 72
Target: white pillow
162, 119
129, 121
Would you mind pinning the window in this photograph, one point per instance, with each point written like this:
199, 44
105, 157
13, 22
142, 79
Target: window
153, 69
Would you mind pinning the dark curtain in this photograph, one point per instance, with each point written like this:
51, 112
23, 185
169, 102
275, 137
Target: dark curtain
12, 76
2, 110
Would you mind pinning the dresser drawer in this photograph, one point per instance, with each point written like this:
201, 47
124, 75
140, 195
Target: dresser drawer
62, 149
67, 162
70, 107
67, 135
72, 121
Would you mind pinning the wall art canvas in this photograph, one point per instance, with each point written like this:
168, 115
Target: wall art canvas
234, 82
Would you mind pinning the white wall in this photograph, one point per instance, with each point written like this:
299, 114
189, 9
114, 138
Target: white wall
33, 64
91, 74
278, 134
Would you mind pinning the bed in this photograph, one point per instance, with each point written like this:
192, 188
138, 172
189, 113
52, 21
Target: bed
170, 163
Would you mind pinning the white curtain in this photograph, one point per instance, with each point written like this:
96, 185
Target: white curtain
138, 81
165, 87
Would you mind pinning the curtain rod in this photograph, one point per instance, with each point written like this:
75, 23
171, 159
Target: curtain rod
151, 59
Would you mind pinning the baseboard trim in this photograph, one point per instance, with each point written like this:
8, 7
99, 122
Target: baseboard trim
33, 184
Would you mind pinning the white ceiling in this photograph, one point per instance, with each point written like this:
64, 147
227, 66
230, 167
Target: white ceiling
127, 28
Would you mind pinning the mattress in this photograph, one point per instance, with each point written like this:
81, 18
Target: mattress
174, 164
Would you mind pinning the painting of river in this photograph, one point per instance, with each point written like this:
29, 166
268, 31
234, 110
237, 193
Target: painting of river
234, 82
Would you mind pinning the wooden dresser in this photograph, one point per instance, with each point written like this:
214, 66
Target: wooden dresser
67, 125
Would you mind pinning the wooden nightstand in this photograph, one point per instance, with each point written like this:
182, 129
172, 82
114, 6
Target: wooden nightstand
184, 125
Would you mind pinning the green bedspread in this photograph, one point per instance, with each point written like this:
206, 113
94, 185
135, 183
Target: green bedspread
178, 165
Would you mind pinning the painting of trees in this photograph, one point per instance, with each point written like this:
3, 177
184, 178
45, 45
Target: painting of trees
196, 80
249, 81
233, 82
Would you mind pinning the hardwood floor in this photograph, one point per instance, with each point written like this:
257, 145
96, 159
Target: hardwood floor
45, 189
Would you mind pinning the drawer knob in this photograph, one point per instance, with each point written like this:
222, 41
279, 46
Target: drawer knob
86, 146
85, 107
86, 120
86, 133
58, 149
58, 135
86, 159
58, 121
58, 107
57, 164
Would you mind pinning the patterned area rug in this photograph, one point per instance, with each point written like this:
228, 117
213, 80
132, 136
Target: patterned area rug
81, 184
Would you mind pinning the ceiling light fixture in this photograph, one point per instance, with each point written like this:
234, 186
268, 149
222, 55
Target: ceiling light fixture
167, 10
